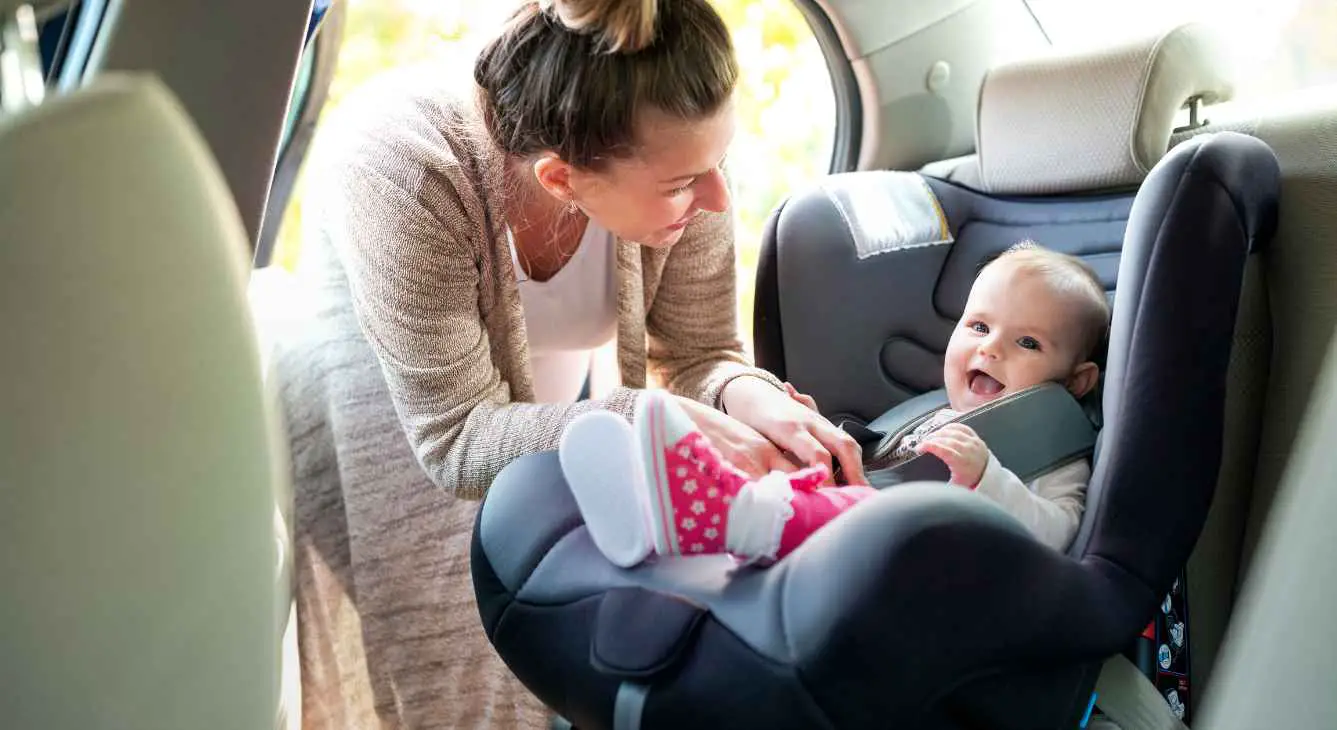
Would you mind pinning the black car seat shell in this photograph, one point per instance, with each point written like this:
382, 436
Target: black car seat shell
1287, 318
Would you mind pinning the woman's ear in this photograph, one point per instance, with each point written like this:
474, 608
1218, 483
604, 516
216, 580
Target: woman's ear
554, 175
1083, 379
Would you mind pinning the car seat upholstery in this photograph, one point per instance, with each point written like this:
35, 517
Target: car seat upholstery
143, 518
1094, 121
1287, 317
860, 626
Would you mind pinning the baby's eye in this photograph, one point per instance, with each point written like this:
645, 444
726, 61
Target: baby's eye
1029, 343
979, 327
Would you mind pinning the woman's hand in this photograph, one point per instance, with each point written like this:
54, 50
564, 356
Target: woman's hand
804, 399
962, 450
791, 422
738, 442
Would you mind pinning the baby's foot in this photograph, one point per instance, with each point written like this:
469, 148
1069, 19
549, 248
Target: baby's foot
690, 484
600, 461
699, 503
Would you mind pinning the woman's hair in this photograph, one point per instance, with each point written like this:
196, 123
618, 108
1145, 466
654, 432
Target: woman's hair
571, 76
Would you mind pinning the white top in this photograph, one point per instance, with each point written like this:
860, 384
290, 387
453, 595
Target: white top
570, 315
1050, 507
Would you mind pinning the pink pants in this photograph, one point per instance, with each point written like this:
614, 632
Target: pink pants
813, 508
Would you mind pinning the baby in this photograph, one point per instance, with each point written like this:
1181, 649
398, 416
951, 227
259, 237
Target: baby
1033, 316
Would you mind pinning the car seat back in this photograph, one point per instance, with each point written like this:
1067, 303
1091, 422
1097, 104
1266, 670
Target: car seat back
143, 517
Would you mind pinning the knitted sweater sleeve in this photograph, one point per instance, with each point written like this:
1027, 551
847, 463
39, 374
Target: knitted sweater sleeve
407, 246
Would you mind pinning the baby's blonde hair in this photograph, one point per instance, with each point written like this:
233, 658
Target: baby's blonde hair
1073, 278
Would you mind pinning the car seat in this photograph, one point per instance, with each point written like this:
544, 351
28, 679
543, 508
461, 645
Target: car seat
1063, 142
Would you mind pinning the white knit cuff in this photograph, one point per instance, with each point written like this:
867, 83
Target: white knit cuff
757, 517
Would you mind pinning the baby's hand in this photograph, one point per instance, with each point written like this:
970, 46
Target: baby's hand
962, 450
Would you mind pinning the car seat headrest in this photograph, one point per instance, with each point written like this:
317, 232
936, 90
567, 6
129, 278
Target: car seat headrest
1096, 119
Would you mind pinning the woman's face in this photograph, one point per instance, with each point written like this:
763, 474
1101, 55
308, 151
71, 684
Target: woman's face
651, 197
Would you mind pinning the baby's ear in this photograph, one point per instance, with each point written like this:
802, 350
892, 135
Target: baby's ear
1083, 379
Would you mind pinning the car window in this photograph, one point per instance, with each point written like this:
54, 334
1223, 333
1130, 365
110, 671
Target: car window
1276, 46
786, 104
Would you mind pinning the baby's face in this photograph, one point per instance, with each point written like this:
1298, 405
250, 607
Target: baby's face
1016, 332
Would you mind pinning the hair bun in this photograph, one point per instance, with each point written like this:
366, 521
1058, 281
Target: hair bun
624, 26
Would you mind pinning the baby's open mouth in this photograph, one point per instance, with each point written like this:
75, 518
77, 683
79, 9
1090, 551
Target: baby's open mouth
982, 383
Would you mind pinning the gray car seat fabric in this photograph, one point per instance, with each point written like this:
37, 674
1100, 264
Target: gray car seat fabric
860, 626
1064, 140
1100, 120
143, 496
1105, 120
1287, 316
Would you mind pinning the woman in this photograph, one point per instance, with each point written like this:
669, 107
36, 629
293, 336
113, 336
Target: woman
490, 244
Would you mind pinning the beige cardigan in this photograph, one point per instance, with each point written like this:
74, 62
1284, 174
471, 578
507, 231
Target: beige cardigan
411, 200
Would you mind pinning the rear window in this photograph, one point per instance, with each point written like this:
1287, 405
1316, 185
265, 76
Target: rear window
1277, 46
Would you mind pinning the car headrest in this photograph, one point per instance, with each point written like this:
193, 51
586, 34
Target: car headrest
1096, 119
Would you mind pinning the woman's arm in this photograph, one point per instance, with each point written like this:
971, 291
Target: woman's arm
415, 291
694, 345
695, 349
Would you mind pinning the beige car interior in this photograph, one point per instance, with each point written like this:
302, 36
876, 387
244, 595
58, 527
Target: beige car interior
145, 501
143, 485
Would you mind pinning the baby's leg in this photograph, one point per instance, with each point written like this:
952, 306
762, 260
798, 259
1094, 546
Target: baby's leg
814, 507
699, 503
773, 515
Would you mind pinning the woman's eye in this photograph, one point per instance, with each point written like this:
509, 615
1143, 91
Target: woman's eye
679, 190
1029, 343
979, 327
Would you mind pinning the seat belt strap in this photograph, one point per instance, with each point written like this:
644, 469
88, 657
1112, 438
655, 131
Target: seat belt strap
1030, 432
629, 706
1129, 699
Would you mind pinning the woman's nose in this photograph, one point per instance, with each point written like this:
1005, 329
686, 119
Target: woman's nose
712, 192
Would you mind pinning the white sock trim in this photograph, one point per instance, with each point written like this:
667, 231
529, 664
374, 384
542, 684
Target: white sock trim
757, 517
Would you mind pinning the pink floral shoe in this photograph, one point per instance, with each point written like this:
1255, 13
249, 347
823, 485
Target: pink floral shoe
699, 503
